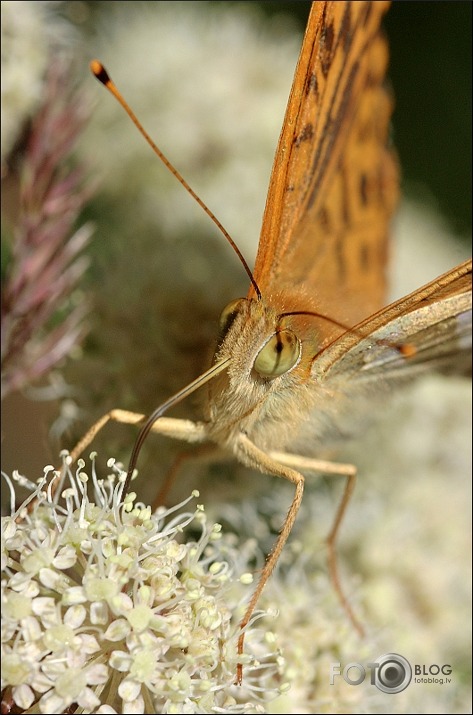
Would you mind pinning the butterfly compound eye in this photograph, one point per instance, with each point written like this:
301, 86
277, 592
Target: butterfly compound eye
278, 355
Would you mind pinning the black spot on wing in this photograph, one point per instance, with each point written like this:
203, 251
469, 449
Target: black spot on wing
326, 47
312, 86
305, 135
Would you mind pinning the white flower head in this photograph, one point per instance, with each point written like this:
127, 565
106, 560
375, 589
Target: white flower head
30, 32
109, 608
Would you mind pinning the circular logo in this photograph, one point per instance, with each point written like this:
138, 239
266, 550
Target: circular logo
393, 673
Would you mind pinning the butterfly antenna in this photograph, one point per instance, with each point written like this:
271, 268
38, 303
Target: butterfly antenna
102, 75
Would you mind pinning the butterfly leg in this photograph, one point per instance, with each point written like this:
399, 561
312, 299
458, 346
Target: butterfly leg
113, 416
185, 430
330, 468
122, 416
332, 553
254, 457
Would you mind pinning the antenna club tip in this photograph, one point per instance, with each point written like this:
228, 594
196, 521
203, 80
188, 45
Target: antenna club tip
99, 71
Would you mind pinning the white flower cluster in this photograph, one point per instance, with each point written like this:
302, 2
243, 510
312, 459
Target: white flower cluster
104, 608
30, 32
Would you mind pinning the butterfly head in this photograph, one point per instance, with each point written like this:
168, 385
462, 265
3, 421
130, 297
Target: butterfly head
268, 357
277, 352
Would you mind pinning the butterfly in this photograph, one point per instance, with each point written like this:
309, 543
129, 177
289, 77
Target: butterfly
312, 338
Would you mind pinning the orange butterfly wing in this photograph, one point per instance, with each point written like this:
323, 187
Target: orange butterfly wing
334, 183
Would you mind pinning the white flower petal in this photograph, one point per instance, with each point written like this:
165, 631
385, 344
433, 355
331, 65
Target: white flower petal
31, 629
73, 596
117, 630
97, 674
75, 616
54, 580
129, 689
51, 702
88, 700
121, 604
120, 660
9, 528
65, 558
19, 581
45, 608
88, 644
23, 696
99, 613
135, 707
